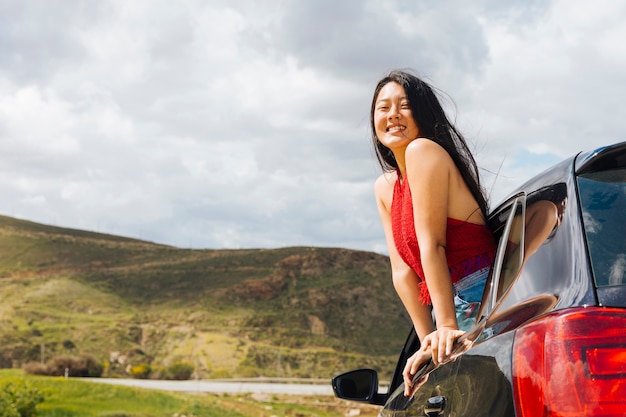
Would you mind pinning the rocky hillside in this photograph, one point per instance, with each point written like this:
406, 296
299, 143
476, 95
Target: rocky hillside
291, 312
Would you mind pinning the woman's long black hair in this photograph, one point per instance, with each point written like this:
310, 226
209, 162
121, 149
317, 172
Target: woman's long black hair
433, 124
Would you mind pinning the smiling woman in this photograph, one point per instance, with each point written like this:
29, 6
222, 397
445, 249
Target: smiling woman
433, 212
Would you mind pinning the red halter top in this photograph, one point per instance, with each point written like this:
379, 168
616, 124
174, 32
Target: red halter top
469, 246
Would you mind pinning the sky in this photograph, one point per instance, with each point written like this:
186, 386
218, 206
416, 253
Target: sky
245, 124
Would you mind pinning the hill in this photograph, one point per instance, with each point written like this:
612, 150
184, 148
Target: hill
289, 312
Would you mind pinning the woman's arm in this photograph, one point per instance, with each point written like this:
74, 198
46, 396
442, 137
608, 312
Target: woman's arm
404, 278
428, 170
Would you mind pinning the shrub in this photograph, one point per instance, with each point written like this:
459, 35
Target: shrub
35, 368
157, 372
32, 353
77, 366
141, 371
19, 400
180, 371
69, 345
81, 366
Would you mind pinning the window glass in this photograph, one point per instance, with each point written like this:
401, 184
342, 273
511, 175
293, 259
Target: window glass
603, 204
506, 225
514, 251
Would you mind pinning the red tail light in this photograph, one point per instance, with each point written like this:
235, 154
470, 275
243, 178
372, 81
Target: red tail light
572, 364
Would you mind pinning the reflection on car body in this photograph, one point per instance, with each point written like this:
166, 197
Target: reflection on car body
551, 335
451, 386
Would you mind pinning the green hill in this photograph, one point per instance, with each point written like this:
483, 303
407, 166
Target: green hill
290, 312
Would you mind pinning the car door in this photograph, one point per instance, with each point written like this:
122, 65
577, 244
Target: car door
448, 389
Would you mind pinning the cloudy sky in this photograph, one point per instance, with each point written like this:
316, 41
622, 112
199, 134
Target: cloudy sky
244, 124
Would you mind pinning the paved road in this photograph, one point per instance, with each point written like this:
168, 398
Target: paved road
234, 387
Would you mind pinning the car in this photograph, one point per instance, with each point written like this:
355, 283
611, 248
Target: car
550, 339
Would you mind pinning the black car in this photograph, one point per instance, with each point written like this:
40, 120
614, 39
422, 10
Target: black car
551, 334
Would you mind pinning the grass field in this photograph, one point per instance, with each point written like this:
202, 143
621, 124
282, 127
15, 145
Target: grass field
76, 398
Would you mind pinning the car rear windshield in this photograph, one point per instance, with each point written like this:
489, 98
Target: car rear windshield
603, 203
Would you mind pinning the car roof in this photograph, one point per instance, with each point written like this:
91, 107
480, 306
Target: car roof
601, 159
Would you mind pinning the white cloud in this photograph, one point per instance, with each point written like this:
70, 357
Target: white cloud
36, 121
220, 124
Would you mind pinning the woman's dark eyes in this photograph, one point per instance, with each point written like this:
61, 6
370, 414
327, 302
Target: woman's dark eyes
404, 106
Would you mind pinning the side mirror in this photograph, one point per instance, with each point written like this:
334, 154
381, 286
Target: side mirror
358, 385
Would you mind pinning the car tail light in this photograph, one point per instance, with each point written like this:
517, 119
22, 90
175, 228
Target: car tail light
571, 363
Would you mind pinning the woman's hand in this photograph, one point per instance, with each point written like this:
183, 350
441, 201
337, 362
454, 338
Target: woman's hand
413, 364
436, 346
440, 343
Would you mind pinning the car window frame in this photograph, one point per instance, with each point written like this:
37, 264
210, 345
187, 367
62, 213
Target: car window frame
513, 209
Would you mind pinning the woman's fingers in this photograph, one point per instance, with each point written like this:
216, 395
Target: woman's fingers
431, 342
408, 385
450, 339
407, 375
413, 364
442, 343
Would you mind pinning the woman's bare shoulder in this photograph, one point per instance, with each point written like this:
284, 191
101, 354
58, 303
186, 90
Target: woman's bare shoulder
383, 186
423, 147
385, 181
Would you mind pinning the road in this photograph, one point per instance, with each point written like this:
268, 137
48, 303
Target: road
231, 387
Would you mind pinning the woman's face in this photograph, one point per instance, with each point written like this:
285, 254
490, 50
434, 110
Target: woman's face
393, 120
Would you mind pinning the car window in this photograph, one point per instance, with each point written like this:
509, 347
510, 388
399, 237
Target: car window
514, 252
603, 204
507, 225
